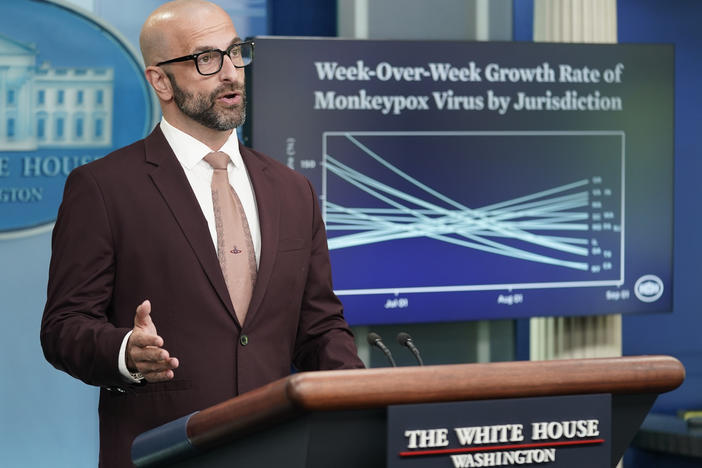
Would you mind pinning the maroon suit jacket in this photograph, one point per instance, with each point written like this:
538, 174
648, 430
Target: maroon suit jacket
129, 228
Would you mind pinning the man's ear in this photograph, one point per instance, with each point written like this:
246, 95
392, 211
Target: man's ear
159, 82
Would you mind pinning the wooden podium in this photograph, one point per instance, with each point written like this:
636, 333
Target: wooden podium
338, 418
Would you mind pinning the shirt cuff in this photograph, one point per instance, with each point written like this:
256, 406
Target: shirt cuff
122, 361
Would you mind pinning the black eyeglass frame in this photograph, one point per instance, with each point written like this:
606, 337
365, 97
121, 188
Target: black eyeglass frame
222, 53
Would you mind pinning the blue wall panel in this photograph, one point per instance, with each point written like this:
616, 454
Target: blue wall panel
678, 334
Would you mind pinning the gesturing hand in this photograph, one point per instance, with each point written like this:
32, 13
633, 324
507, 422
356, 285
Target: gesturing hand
145, 351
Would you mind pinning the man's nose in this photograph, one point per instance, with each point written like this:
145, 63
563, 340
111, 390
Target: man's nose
229, 71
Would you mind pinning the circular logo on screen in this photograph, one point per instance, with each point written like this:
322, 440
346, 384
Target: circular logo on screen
71, 91
648, 288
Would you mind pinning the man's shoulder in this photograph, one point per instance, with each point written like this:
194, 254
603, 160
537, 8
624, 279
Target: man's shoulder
121, 156
120, 162
271, 164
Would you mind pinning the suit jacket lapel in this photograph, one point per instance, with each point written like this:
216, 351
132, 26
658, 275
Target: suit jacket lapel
169, 178
268, 214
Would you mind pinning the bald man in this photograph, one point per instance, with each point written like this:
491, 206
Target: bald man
138, 303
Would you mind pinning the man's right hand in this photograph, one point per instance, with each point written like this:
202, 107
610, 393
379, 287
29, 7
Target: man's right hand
145, 353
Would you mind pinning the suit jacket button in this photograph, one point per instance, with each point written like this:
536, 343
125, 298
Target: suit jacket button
244, 340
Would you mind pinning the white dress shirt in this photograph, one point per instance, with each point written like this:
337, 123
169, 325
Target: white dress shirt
190, 154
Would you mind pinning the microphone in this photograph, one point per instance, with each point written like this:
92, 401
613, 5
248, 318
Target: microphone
405, 340
375, 340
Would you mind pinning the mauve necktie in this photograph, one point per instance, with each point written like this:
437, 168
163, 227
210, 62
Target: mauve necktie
234, 245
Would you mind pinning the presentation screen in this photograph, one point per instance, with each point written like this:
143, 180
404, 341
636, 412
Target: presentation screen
473, 180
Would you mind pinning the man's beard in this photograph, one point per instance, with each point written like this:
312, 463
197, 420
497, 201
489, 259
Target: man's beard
201, 107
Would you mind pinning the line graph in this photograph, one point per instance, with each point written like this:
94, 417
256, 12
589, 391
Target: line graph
456, 226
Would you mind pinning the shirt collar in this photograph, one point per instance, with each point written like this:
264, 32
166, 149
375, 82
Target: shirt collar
190, 151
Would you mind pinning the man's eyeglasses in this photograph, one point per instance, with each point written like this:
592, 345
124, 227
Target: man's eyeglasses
210, 62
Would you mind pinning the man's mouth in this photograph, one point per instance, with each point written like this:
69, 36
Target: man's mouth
230, 98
